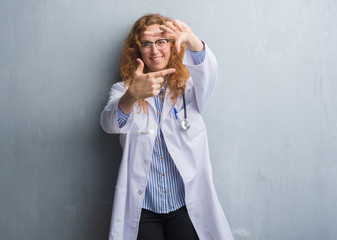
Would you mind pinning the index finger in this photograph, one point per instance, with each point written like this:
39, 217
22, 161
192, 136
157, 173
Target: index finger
164, 72
178, 24
153, 33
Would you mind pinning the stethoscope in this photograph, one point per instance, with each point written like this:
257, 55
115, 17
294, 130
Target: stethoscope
184, 124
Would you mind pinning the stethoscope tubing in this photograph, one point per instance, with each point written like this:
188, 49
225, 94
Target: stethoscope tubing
185, 125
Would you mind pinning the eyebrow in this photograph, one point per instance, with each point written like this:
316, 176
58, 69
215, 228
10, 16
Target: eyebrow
159, 38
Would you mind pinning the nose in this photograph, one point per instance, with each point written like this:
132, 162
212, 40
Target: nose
154, 48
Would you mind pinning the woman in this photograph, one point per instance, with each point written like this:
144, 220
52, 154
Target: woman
164, 189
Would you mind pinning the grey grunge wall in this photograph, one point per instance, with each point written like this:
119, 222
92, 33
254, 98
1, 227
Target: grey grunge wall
272, 120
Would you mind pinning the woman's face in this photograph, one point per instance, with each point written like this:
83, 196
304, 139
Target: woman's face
155, 60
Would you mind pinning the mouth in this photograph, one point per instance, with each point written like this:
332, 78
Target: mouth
156, 59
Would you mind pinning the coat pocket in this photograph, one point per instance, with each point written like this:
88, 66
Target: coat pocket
195, 120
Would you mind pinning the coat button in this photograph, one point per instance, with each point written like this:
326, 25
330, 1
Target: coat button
140, 192
146, 162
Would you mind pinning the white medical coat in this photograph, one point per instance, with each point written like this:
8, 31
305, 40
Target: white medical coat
189, 151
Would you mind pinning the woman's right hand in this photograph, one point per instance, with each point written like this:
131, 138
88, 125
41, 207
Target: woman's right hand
146, 85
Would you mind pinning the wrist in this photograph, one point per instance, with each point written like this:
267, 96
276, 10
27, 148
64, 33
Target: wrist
127, 102
130, 95
194, 44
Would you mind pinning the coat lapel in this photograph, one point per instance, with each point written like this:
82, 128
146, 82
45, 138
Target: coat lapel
151, 102
169, 104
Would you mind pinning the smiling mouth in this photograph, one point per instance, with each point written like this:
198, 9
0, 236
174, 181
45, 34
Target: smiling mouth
155, 59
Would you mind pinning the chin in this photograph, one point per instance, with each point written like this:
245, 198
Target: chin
156, 68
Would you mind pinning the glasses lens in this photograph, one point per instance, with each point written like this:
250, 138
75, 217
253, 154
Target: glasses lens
146, 46
161, 44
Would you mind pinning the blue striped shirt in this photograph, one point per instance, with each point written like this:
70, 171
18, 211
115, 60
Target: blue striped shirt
165, 188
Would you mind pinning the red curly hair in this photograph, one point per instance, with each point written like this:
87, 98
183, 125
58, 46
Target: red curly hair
131, 51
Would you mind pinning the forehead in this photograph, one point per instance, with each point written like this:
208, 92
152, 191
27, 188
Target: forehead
151, 28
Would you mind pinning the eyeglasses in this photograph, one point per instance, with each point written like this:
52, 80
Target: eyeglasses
161, 44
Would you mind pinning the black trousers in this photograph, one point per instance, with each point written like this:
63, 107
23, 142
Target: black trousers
175, 225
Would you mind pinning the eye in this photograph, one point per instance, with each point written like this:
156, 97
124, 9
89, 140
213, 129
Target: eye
161, 42
146, 44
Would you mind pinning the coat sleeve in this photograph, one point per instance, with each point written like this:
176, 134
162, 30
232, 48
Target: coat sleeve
109, 115
203, 76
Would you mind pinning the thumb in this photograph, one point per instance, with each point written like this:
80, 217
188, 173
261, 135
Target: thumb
140, 67
177, 46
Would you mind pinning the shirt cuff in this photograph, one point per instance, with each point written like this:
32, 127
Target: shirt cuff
198, 57
122, 117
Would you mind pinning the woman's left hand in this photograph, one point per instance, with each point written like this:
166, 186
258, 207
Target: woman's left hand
180, 32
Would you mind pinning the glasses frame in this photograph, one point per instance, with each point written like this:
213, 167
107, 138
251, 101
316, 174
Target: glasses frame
147, 49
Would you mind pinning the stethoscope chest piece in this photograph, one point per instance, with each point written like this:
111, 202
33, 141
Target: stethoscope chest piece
185, 125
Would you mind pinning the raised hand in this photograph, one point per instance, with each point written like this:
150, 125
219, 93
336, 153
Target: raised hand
180, 32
